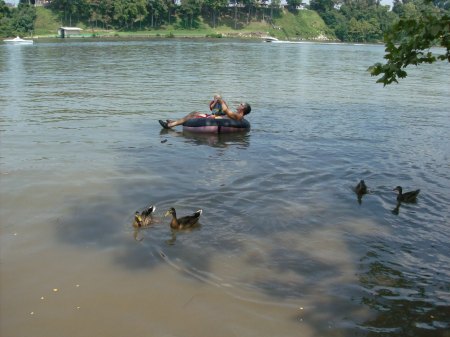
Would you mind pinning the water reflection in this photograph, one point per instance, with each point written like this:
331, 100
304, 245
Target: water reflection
218, 140
13, 62
175, 232
405, 303
396, 210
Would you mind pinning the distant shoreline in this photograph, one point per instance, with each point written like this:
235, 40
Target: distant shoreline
183, 34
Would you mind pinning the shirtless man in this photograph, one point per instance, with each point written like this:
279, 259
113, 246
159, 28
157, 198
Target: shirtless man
241, 110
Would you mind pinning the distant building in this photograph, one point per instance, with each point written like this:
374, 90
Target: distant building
265, 3
42, 2
14, 3
64, 32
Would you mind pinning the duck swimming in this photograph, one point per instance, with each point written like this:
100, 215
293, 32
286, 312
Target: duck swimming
184, 222
144, 219
361, 188
406, 197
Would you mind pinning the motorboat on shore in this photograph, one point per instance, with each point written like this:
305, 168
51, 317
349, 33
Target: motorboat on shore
18, 40
270, 39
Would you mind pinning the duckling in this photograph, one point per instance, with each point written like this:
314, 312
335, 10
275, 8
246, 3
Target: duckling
184, 222
406, 197
144, 219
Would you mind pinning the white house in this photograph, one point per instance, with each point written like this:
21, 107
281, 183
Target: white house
69, 31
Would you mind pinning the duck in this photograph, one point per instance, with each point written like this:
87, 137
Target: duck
145, 218
184, 222
406, 197
361, 188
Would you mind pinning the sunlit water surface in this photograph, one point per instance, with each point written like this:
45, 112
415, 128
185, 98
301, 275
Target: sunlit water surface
284, 247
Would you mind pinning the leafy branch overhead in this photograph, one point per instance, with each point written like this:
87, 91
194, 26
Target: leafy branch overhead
409, 42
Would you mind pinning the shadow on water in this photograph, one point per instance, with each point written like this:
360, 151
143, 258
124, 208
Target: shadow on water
282, 244
398, 303
402, 300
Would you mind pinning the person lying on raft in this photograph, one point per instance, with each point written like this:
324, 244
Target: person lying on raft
241, 110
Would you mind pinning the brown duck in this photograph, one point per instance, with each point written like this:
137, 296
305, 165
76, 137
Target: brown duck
145, 218
406, 197
361, 188
184, 222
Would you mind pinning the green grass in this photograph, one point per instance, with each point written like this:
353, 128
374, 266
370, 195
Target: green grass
303, 25
47, 23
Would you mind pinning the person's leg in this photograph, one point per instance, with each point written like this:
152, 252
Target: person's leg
170, 123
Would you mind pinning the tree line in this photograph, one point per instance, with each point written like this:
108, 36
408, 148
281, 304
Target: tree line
368, 20
348, 20
140, 14
16, 21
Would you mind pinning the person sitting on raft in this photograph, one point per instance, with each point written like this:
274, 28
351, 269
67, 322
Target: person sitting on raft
241, 110
216, 107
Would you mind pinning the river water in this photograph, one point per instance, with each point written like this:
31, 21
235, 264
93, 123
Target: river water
284, 247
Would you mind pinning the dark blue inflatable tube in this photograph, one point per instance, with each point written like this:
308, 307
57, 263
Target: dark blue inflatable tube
216, 125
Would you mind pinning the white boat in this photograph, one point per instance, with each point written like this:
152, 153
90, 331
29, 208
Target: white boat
18, 40
270, 39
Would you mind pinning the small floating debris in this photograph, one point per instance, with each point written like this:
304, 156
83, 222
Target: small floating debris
55, 290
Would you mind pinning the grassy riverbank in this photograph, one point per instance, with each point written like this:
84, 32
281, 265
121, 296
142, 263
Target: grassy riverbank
303, 25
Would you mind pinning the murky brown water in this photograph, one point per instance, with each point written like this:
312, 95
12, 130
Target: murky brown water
284, 248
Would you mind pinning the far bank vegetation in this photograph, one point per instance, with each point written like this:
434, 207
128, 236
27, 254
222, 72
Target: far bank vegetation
343, 20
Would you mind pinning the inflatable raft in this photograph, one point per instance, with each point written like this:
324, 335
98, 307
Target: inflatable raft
216, 125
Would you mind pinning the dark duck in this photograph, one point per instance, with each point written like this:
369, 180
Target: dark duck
360, 190
407, 196
145, 218
184, 222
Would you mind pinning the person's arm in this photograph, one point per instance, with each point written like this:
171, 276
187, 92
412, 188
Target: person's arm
212, 103
233, 115
216, 99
